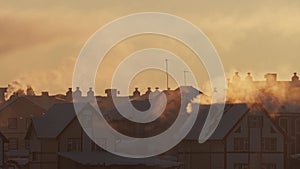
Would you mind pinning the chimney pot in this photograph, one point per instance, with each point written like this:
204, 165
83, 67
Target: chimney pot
295, 77
136, 92
90, 93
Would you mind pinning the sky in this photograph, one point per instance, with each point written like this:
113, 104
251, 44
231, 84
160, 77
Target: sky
41, 40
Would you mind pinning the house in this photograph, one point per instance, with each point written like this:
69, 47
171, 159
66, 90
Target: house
287, 117
46, 138
246, 138
57, 140
15, 118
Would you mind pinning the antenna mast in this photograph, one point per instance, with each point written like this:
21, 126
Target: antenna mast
184, 76
167, 74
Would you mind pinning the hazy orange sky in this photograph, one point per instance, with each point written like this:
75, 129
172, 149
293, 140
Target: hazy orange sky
40, 40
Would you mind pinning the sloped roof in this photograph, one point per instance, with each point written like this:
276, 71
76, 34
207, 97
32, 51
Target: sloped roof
4, 139
285, 107
43, 102
60, 115
55, 119
108, 159
232, 114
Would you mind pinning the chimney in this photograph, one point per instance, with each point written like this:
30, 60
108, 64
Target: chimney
249, 77
90, 93
69, 95
295, 78
45, 94
156, 92
271, 77
111, 93
236, 77
149, 90
136, 93
2, 94
77, 94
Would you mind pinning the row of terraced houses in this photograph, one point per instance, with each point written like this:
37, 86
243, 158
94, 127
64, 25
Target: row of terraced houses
43, 131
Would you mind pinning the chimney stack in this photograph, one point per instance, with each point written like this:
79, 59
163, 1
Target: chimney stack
2, 94
45, 94
149, 90
77, 94
271, 77
90, 93
111, 93
136, 93
295, 78
69, 95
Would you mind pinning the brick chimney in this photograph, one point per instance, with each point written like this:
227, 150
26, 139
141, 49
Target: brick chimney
112, 93
295, 78
2, 94
271, 77
148, 91
136, 93
45, 94
90, 93
77, 94
69, 95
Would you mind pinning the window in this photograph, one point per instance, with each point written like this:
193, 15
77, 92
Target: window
241, 166
240, 144
87, 121
284, 124
13, 144
269, 144
28, 121
255, 121
298, 125
35, 156
12, 123
73, 144
27, 144
268, 166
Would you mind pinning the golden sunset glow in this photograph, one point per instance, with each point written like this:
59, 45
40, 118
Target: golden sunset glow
40, 40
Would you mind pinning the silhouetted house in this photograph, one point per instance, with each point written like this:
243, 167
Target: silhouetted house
57, 140
3, 140
287, 116
245, 138
46, 135
15, 117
